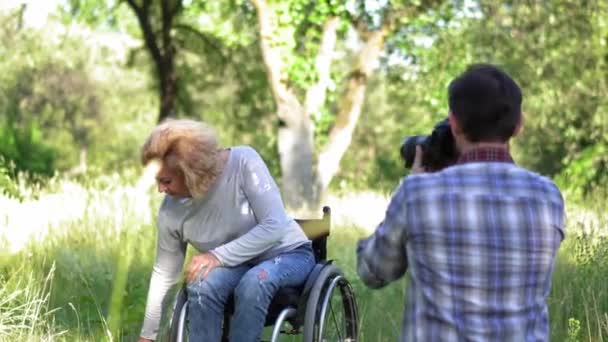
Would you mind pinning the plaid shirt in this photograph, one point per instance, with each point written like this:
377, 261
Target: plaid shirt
480, 240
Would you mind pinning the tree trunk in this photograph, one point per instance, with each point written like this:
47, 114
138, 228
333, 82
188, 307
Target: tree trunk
303, 184
295, 133
167, 90
300, 185
296, 152
350, 107
159, 44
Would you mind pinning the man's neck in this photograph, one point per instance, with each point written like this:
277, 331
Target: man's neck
484, 152
467, 147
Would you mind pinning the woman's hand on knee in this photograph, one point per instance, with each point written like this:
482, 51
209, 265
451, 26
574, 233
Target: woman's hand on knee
204, 263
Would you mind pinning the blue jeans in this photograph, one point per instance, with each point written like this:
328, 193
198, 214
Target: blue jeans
253, 285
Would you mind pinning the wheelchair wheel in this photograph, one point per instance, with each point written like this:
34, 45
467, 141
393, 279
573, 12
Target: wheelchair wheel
179, 324
331, 309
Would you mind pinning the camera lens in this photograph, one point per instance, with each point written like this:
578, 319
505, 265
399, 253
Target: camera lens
408, 148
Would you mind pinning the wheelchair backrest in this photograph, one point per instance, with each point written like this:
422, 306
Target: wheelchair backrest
318, 230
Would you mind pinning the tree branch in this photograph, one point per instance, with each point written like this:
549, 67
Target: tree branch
166, 20
176, 8
388, 24
316, 94
142, 12
203, 38
289, 109
271, 54
134, 5
357, 22
351, 103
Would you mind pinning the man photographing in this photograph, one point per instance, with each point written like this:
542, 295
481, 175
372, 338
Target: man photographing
480, 236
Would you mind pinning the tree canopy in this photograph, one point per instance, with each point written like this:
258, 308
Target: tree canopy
326, 90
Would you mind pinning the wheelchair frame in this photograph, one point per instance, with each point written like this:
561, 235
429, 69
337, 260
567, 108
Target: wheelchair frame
313, 307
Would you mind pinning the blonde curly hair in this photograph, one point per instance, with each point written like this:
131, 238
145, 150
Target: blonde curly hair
188, 147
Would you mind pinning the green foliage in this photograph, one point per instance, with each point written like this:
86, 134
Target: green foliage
373, 161
539, 43
581, 266
404, 99
58, 105
21, 140
218, 57
106, 15
60, 100
300, 29
564, 106
7, 185
574, 329
221, 76
26, 150
223, 79
585, 173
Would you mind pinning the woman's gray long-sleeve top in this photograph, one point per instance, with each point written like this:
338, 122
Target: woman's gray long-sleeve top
240, 219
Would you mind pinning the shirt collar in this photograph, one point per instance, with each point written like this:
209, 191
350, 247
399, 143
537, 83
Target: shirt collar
486, 154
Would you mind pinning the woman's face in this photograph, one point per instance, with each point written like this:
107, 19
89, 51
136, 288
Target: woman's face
171, 182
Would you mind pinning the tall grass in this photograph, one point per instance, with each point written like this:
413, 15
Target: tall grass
82, 273
24, 311
97, 248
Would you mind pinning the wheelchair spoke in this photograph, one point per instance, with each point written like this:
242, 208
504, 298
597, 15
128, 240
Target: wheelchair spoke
334, 309
336, 318
333, 316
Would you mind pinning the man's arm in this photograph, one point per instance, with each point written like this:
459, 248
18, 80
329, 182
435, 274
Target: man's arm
382, 258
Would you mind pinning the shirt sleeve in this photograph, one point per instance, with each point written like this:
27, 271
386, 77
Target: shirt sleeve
265, 201
170, 254
382, 257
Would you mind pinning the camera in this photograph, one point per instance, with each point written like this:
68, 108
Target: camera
439, 148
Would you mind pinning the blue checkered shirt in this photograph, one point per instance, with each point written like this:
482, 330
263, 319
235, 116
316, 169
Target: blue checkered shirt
480, 241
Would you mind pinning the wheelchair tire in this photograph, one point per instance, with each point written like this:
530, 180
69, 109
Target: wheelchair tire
178, 326
331, 309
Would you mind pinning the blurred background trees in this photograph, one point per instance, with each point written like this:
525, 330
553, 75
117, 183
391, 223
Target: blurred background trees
325, 90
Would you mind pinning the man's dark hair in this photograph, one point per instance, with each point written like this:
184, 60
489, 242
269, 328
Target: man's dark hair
486, 102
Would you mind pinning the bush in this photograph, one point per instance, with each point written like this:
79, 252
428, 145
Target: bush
26, 150
67, 104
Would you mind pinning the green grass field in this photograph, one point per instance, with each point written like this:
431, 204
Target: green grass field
86, 277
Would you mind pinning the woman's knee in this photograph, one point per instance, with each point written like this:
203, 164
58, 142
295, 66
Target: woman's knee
215, 286
203, 292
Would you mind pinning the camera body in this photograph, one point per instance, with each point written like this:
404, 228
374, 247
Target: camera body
439, 148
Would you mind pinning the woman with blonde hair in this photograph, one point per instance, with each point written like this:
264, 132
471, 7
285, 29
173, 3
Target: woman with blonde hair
224, 203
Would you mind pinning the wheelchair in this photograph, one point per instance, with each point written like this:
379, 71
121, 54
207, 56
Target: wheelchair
323, 309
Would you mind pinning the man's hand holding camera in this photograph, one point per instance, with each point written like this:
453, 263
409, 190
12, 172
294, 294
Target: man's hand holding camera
439, 149
417, 166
